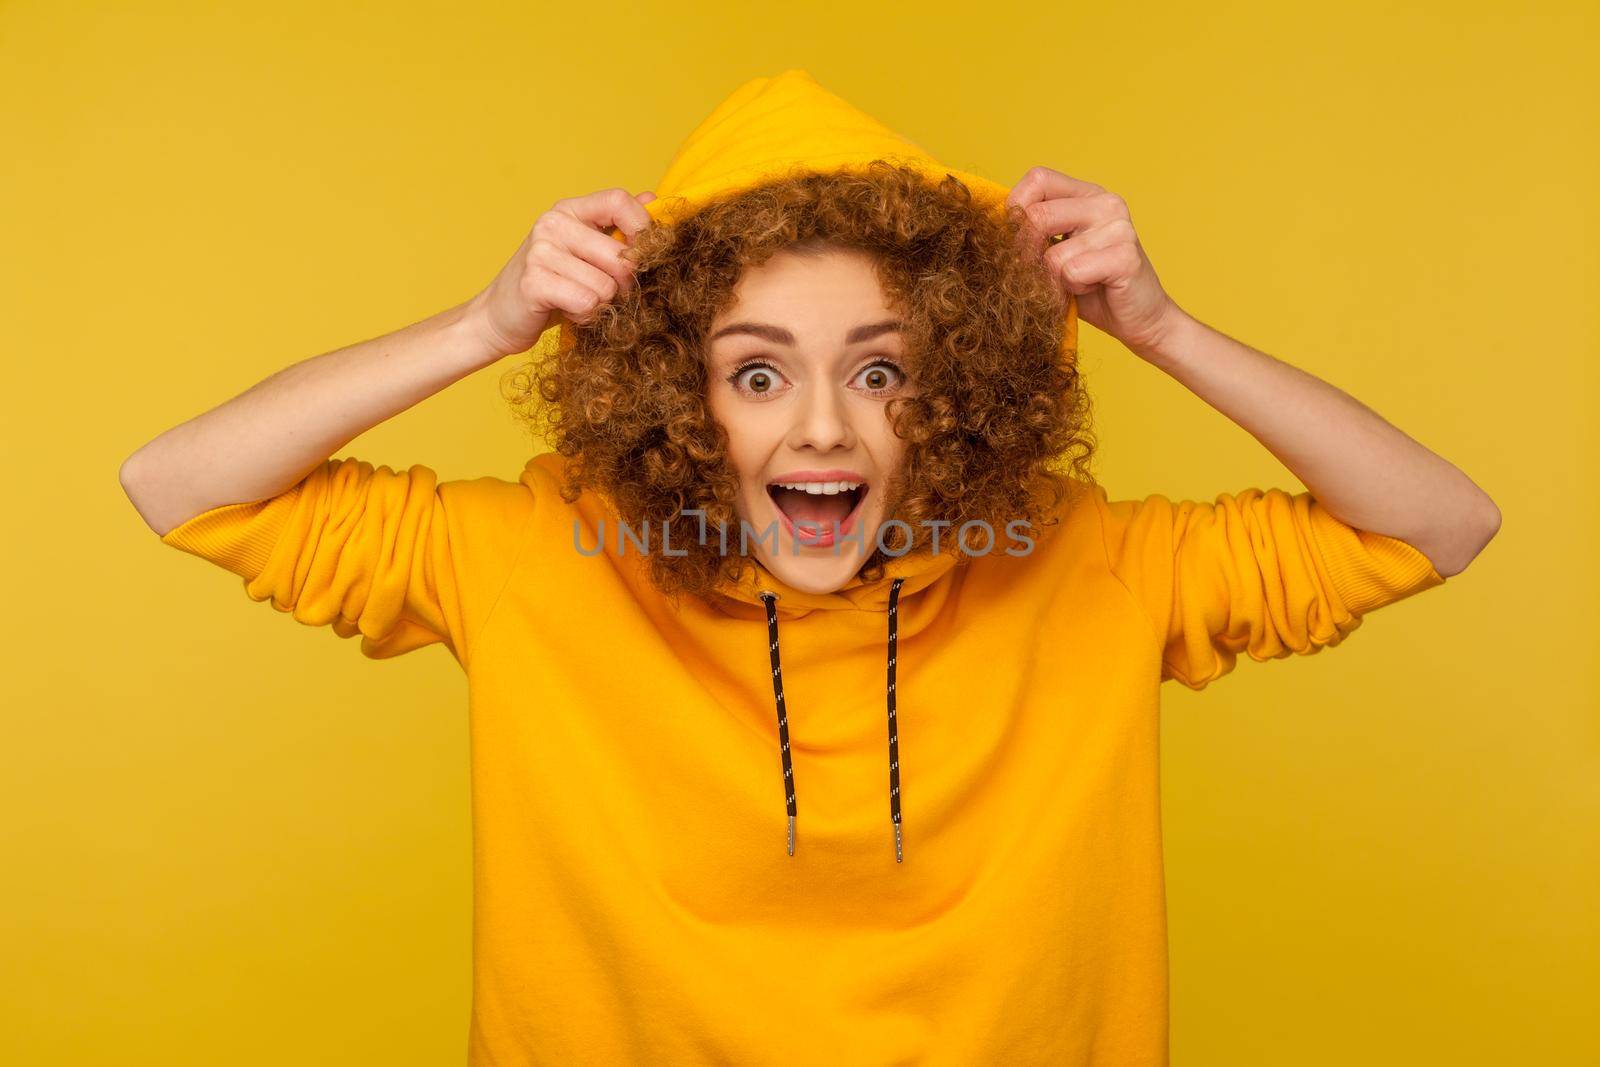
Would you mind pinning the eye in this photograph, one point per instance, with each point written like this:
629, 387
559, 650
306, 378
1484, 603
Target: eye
760, 378
882, 376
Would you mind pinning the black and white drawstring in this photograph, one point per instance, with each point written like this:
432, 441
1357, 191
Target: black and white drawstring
770, 600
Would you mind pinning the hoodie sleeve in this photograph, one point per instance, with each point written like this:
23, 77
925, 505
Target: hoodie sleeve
1265, 573
370, 551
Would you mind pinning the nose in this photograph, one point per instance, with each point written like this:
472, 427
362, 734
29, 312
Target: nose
822, 421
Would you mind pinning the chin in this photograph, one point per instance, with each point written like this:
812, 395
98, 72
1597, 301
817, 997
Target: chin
825, 575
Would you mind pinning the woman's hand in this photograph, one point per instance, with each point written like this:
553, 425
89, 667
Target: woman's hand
568, 265
1101, 261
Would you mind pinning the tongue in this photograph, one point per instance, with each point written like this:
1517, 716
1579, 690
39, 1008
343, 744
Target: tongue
819, 508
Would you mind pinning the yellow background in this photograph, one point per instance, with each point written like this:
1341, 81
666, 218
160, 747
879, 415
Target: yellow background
230, 839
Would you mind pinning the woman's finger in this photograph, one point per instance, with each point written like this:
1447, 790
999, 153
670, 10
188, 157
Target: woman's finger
565, 295
563, 264
1072, 215
609, 207
1043, 183
1083, 272
1091, 240
592, 246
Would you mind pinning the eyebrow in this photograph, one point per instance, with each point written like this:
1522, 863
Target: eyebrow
778, 335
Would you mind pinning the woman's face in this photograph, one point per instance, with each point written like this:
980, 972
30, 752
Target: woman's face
801, 366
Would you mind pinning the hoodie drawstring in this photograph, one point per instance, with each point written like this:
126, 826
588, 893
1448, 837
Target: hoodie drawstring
770, 600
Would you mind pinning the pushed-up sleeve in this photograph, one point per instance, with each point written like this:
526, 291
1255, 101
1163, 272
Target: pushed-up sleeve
368, 551
1267, 573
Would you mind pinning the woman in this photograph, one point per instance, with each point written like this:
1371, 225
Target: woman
816, 544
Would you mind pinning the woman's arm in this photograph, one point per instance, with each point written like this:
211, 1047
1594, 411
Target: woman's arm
264, 440
1365, 470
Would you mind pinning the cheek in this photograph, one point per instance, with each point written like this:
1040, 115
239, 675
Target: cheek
747, 450
885, 445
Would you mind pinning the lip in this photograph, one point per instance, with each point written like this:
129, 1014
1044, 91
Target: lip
835, 475
823, 538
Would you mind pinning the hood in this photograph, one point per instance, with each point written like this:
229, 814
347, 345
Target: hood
771, 127
766, 129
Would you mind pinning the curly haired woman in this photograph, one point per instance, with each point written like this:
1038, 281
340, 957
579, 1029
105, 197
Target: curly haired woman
814, 680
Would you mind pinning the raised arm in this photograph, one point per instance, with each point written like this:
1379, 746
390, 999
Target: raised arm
1358, 465
1363, 470
265, 440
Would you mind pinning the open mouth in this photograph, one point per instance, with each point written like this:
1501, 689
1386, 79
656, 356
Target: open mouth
814, 517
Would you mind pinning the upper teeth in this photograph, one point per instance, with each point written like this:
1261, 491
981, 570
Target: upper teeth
820, 488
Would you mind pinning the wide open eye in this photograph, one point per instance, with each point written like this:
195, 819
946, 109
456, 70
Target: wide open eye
881, 376
756, 378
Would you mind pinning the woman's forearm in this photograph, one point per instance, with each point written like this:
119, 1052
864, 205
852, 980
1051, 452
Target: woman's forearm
1365, 470
266, 439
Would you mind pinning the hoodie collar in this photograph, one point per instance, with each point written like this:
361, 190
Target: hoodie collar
919, 570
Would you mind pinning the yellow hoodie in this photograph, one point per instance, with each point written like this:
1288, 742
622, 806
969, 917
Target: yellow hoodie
641, 895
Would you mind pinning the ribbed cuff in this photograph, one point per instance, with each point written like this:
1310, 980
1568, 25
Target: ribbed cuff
237, 537
1367, 569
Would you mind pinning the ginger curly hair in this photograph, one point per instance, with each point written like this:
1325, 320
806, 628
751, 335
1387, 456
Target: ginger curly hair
998, 423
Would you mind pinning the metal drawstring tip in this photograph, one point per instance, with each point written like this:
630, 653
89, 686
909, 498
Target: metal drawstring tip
791, 835
898, 852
